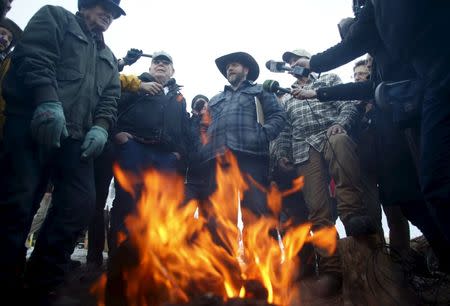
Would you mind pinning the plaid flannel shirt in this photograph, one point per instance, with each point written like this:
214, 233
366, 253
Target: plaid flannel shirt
308, 121
234, 121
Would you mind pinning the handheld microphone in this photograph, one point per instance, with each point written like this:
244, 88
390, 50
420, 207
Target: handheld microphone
274, 87
275, 66
278, 67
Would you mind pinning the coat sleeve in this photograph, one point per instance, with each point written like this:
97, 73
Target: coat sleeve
129, 82
349, 91
38, 52
348, 112
274, 115
362, 38
106, 109
281, 146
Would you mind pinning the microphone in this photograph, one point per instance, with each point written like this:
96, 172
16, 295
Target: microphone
274, 87
275, 66
278, 67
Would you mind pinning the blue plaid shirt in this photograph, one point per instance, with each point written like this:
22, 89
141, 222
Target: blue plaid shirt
234, 121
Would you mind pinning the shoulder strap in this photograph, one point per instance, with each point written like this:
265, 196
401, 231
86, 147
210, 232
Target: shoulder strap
259, 111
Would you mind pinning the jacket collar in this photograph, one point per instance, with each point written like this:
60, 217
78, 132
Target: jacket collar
244, 84
97, 36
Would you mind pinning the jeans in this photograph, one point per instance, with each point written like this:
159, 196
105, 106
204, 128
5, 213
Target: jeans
27, 170
135, 157
97, 228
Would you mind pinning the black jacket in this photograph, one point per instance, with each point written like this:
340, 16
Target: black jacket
363, 37
161, 117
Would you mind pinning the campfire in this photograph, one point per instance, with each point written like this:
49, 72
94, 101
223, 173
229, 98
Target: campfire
178, 254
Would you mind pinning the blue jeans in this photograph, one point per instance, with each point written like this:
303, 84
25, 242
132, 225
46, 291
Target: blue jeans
26, 172
135, 157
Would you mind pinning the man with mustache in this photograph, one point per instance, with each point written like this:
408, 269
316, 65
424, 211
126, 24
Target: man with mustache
61, 97
244, 119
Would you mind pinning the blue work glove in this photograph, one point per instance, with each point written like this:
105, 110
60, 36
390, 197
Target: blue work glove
132, 56
94, 141
48, 125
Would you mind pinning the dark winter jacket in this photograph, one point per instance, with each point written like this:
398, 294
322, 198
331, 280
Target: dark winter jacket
160, 118
363, 37
400, 34
234, 121
413, 28
59, 59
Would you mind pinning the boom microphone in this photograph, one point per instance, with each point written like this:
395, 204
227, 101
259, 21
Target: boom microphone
274, 87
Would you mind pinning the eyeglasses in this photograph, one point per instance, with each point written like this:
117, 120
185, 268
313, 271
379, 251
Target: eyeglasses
158, 61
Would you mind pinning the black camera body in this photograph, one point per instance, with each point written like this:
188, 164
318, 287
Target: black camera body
403, 99
300, 71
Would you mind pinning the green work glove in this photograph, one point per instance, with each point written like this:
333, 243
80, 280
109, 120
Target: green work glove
48, 125
94, 141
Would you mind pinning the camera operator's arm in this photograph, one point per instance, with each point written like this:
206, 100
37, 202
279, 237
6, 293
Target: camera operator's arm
349, 91
362, 38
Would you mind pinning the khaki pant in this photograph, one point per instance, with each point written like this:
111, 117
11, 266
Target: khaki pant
340, 161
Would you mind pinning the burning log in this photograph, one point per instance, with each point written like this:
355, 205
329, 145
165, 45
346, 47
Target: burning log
126, 258
171, 257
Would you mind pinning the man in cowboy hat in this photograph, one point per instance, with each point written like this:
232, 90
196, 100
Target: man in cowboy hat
244, 119
61, 95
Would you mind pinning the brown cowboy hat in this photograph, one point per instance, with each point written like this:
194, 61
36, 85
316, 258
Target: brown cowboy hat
242, 58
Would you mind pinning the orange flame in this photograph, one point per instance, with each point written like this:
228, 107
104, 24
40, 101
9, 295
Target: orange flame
180, 257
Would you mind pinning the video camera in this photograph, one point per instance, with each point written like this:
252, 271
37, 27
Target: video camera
280, 67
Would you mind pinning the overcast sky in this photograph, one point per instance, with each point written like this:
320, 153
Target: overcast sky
196, 32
